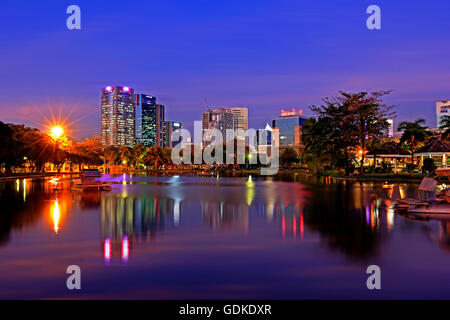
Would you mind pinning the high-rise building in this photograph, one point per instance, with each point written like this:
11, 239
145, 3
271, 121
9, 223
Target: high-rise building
149, 121
390, 130
442, 109
264, 136
118, 116
169, 128
289, 126
220, 119
144, 103
240, 117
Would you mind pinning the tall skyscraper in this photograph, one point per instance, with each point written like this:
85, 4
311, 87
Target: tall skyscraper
169, 128
442, 109
118, 116
289, 126
149, 121
220, 119
240, 117
264, 136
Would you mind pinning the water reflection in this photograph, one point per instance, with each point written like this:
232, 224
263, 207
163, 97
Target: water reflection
22, 204
351, 218
56, 216
444, 234
225, 215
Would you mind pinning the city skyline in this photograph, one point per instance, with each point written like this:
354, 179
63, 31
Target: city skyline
223, 159
277, 56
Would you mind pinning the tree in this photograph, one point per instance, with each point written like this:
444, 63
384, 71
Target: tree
111, 155
137, 153
347, 123
167, 152
338, 140
414, 134
288, 157
445, 126
367, 117
125, 154
317, 148
90, 152
8, 147
32, 144
428, 165
155, 157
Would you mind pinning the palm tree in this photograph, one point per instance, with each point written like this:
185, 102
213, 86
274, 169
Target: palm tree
125, 154
288, 157
414, 133
445, 126
155, 157
111, 155
137, 154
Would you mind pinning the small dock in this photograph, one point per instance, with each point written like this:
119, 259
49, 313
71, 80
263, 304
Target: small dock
89, 182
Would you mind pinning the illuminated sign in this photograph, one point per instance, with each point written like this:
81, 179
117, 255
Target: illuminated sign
292, 112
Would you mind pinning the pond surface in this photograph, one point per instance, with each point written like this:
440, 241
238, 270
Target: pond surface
218, 238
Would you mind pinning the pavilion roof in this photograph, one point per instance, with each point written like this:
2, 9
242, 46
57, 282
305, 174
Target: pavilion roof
436, 146
389, 148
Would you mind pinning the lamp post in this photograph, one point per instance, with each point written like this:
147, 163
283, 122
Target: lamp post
124, 162
57, 133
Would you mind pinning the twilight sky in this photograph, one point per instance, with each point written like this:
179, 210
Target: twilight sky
263, 54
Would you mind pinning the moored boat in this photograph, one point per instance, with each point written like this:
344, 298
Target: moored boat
88, 182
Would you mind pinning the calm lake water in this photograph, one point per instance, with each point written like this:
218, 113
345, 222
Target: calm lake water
226, 238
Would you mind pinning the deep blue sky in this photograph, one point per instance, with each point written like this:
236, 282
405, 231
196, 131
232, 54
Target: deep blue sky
263, 54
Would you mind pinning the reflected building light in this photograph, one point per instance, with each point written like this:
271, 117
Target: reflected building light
377, 217
17, 185
249, 182
107, 250
249, 194
283, 226
390, 217
24, 190
270, 210
444, 231
175, 180
390, 213
367, 214
302, 225
402, 192
373, 217
390, 193
125, 249
294, 227
56, 216
379, 201
176, 212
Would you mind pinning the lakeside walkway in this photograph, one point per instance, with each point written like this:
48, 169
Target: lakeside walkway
36, 175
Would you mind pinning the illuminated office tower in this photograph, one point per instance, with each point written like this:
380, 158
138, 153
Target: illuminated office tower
240, 115
442, 109
289, 128
220, 119
118, 116
149, 121
169, 128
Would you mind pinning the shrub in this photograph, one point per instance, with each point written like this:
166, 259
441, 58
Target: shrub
428, 165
